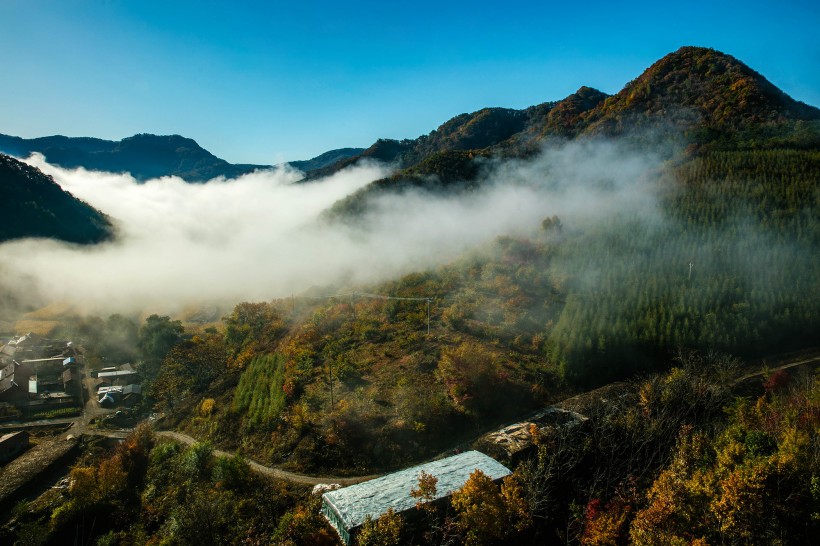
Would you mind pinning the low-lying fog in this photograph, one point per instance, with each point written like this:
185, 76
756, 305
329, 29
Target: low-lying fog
261, 236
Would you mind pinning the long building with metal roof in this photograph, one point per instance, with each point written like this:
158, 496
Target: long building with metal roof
346, 509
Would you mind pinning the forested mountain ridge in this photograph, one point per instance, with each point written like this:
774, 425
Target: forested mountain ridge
33, 205
695, 97
323, 160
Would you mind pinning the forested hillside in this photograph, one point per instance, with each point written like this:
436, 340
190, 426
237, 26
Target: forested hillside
718, 254
33, 205
747, 224
727, 264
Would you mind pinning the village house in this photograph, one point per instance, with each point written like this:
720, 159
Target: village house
35, 372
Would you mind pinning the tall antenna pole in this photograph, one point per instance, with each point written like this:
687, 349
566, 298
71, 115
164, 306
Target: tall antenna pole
330, 365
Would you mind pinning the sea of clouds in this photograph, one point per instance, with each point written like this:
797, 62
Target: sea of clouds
262, 236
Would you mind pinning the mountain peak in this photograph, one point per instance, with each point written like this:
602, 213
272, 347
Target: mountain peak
163, 140
698, 85
566, 113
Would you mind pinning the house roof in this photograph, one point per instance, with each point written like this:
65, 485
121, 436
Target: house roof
107, 390
8, 370
19, 435
354, 503
132, 389
118, 373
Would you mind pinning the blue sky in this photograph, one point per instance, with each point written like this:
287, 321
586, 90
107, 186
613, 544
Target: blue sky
264, 82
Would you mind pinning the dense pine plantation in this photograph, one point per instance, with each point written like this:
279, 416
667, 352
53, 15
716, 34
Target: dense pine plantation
746, 221
259, 393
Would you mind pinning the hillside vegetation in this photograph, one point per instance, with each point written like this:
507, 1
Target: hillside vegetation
355, 382
674, 458
517, 324
33, 205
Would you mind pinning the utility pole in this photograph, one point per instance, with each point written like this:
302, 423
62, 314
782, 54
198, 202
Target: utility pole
330, 366
690, 271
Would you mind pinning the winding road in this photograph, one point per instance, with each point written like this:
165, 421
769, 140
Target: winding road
270, 471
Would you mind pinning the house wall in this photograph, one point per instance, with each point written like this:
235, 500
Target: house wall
12, 445
15, 394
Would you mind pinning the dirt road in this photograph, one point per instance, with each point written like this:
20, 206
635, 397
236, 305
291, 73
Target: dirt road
786, 366
269, 471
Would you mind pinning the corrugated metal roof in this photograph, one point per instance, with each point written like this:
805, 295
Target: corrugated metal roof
375, 497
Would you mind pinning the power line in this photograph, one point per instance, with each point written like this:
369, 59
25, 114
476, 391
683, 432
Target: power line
352, 296
365, 295
399, 298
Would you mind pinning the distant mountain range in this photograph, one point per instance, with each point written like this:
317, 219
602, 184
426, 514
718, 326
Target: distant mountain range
144, 156
33, 205
147, 156
697, 97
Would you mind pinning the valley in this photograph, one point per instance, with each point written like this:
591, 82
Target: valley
626, 284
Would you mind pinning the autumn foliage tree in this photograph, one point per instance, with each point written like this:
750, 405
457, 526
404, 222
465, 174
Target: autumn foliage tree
189, 367
487, 513
751, 484
386, 530
471, 373
250, 329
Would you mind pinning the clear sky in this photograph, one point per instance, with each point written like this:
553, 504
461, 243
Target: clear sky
264, 82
